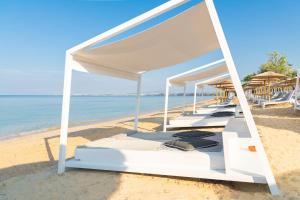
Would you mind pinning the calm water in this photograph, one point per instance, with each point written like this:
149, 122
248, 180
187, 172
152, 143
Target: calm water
29, 113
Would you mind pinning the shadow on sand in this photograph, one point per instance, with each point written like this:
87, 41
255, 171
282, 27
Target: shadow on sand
287, 118
40, 181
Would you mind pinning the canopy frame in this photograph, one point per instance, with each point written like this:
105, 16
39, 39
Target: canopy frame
184, 74
202, 84
297, 91
194, 70
72, 64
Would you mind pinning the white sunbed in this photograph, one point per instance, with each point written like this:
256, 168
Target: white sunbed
276, 97
210, 110
198, 121
201, 120
297, 104
287, 98
221, 105
297, 107
127, 153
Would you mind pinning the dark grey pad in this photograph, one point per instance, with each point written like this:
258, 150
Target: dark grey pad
222, 114
190, 144
230, 106
193, 134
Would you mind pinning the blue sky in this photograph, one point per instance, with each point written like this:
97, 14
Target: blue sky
35, 34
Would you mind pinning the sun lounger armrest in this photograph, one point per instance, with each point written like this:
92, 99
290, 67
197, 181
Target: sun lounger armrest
227, 136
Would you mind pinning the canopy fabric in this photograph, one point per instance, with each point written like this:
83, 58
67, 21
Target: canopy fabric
204, 73
179, 39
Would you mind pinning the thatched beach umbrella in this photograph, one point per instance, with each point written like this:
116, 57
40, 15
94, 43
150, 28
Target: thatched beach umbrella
221, 85
291, 82
226, 86
267, 77
255, 85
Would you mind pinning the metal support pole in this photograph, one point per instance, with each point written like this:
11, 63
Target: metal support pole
138, 102
195, 99
65, 115
297, 90
184, 98
166, 105
241, 96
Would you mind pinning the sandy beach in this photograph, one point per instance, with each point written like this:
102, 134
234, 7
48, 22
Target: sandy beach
28, 165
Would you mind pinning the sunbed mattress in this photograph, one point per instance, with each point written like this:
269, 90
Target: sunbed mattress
206, 111
131, 151
200, 121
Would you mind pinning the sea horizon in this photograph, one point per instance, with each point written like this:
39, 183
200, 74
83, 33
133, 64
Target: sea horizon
22, 114
113, 95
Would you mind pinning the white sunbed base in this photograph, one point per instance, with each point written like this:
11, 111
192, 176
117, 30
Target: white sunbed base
198, 121
190, 172
238, 159
221, 105
144, 156
129, 151
267, 103
207, 111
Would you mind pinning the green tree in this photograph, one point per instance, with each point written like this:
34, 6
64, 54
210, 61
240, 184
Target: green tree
278, 63
248, 77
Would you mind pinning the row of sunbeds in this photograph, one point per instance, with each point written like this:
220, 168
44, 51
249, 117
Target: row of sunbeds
281, 97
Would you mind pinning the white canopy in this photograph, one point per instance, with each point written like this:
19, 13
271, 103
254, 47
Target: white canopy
181, 38
212, 80
188, 35
201, 73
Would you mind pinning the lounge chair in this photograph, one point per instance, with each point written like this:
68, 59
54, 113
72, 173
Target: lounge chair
286, 98
228, 102
297, 107
297, 103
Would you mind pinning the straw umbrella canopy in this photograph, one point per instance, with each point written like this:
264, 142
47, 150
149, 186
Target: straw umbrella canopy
291, 81
226, 86
222, 85
254, 85
267, 77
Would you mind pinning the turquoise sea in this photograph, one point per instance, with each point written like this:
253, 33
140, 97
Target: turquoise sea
19, 114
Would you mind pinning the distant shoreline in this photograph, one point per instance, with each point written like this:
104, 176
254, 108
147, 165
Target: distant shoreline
79, 124
21, 121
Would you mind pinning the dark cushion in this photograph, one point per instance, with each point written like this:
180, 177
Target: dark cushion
222, 114
190, 144
193, 134
230, 106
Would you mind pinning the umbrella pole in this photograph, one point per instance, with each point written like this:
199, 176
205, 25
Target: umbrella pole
269, 90
217, 95
265, 89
